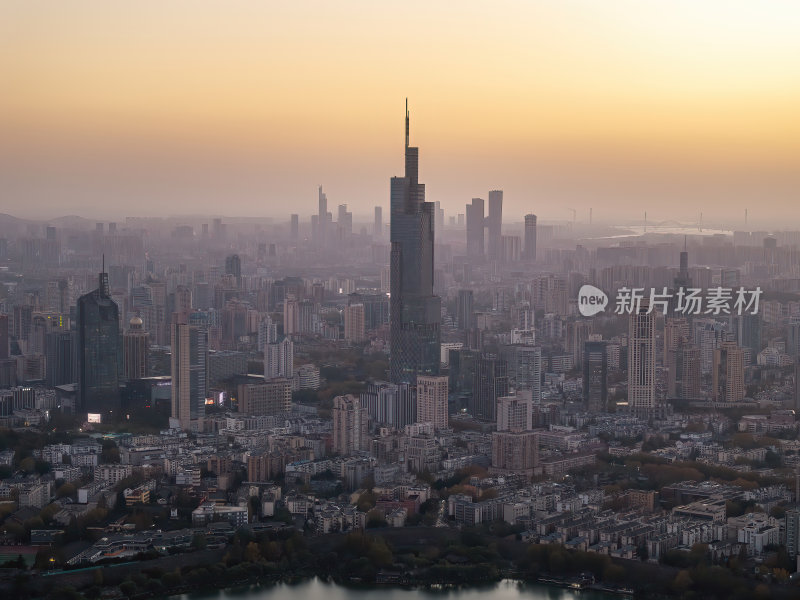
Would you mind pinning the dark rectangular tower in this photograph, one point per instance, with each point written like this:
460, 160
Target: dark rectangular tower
99, 351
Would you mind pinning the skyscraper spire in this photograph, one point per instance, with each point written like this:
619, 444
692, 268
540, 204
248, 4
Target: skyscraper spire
407, 123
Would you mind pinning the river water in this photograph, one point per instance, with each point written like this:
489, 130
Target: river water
315, 589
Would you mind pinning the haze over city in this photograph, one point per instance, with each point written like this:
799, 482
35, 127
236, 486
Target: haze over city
146, 109
326, 300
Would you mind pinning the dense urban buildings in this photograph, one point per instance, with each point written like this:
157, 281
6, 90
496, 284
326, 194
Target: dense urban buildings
229, 374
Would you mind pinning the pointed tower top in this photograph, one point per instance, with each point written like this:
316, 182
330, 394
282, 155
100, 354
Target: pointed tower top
407, 123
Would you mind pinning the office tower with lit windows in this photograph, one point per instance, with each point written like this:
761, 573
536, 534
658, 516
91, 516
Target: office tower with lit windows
415, 312
99, 351
530, 237
642, 360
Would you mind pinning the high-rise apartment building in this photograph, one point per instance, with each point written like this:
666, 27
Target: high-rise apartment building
354, 323
642, 360
415, 312
728, 373
268, 397
350, 425
390, 404
515, 452
99, 351
188, 364
683, 371
515, 413
432, 400
279, 359
291, 316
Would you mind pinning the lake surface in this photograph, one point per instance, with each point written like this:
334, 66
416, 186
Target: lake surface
318, 590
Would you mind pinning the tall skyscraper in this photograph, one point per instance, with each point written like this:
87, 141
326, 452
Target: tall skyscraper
350, 425
728, 373
595, 376
642, 361
683, 371
530, 237
135, 348
415, 312
432, 400
494, 224
189, 357
476, 222
99, 351
294, 227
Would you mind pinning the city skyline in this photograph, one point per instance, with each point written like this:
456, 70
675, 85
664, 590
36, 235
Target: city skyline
674, 109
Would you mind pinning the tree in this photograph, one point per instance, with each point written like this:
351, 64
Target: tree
128, 588
682, 582
252, 553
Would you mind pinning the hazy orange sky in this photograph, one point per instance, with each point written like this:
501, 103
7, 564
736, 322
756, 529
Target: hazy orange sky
111, 108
